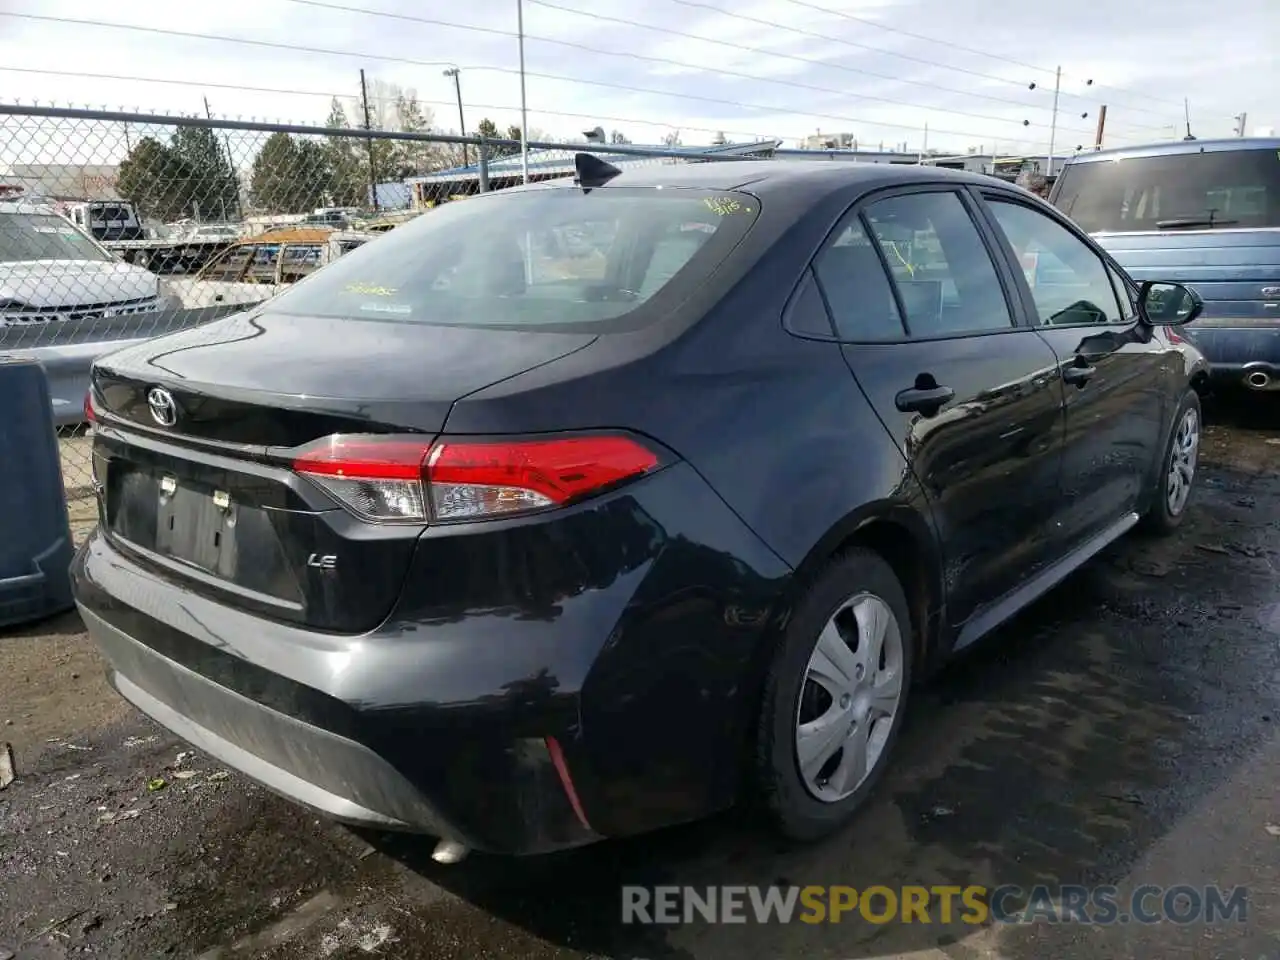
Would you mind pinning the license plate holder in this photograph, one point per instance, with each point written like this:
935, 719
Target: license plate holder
197, 526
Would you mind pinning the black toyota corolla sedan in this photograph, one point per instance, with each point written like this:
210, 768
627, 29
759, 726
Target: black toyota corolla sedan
571, 511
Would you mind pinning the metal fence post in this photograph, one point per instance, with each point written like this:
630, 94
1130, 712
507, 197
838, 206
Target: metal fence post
483, 150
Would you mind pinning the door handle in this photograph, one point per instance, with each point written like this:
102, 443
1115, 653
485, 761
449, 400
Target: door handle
924, 400
1078, 373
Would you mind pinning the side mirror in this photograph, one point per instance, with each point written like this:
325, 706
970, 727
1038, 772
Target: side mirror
1163, 303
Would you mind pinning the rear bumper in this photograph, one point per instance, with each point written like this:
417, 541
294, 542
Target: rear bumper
538, 685
304, 763
1239, 355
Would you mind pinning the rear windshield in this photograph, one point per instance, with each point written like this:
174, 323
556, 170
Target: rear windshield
547, 258
1190, 191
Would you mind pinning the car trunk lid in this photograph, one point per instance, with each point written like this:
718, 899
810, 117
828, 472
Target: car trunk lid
211, 500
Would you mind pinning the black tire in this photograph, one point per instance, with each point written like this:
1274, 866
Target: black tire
1160, 520
787, 803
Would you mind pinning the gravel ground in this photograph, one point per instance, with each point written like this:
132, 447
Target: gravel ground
1122, 731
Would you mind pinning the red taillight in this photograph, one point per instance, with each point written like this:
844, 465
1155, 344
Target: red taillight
90, 415
398, 479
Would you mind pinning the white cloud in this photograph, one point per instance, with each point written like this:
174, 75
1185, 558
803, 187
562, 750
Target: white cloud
1223, 62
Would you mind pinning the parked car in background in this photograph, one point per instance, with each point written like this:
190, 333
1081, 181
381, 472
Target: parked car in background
580, 509
64, 300
254, 269
108, 219
1205, 212
53, 273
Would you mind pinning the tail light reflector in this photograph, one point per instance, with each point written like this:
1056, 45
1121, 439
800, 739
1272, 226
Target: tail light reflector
90, 415
408, 480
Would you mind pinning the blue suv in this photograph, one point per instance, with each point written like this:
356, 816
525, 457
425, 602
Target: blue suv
1203, 212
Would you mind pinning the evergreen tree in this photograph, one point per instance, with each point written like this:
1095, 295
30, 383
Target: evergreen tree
156, 180
212, 191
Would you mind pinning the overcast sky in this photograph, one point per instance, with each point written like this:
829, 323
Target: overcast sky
880, 69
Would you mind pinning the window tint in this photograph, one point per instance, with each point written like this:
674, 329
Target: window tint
943, 274
1188, 191
1069, 282
551, 258
857, 289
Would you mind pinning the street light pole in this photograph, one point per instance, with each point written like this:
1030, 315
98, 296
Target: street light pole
524, 111
462, 122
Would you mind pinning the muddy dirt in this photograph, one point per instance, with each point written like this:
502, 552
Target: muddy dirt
1124, 730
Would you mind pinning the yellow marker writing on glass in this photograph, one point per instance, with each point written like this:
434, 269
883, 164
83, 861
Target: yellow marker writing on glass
370, 290
725, 205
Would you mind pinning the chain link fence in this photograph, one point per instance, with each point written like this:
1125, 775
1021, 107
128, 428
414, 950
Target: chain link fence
116, 228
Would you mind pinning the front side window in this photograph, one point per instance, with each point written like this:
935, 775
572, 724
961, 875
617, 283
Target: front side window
230, 266
550, 258
298, 261
946, 281
30, 236
262, 267
1069, 282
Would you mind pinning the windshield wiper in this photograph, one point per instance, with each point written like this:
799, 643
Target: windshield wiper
1209, 221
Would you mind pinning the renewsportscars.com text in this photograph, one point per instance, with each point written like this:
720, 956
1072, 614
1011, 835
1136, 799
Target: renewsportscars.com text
975, 905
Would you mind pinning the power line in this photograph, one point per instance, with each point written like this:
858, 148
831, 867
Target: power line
957, 46
699, 4
682, 64
275, 45
795, 58
636, 56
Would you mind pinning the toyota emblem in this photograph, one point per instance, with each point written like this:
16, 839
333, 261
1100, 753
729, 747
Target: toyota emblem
164, 410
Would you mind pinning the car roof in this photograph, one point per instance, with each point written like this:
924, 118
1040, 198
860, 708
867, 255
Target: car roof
288, 235
1178, 148
764, 176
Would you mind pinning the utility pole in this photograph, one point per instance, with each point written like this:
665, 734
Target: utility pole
1240, 119
462, 121
1186, 114
1102, 124
1053, 125
924, 147
524, 112
373, 171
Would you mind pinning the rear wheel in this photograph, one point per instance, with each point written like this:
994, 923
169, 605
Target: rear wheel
1178, 469
835, 697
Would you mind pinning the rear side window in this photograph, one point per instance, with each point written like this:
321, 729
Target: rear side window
546, 258
1189, 191
856, 287
946, 281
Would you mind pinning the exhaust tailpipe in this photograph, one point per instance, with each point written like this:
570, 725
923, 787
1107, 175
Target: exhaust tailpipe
449, 852
1258, 380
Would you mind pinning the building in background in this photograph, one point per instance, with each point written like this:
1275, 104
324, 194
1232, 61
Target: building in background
829, 141
64, 181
